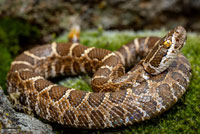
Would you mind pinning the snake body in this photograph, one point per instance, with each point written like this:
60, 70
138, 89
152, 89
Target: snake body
119, 98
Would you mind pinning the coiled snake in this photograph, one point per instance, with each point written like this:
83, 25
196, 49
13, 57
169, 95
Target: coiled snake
119, 98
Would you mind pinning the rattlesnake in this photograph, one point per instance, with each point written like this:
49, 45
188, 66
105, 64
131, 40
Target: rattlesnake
119, 98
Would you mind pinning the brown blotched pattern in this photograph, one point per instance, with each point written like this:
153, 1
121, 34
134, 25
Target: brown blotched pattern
76, 97
96, 99
57, 92
133, 97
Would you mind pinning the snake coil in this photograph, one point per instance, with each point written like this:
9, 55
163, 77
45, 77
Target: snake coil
119, 98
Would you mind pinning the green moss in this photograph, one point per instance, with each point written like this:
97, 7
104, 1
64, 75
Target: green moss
184, 116
13, 33
5, 60
77, 83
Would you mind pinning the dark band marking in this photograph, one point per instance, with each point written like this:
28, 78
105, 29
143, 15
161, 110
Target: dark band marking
27, 74
78, 50
96, 99
179, 78
117, 114
88, 68
24, 57
98, 119
57, 92
173, 64
130, 108
100, 81
184, 60
166, 94
76, 97
16, 67
118, 97
184, 69
63, 48
68, 65
177, 90
152, 42
157, 58
111, 61
98, 53
40, 84
151, 54
76, 67
57, 66
23, 99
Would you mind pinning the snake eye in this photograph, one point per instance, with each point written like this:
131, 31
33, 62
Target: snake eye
167, 43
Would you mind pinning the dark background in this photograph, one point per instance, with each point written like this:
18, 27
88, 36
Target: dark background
55, 16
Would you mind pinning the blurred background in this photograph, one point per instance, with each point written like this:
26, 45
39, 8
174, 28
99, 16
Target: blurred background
55, 16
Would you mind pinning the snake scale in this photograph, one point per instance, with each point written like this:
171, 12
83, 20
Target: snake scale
149, 88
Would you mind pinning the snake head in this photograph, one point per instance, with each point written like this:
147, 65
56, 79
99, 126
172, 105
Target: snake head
165, 51
175, 39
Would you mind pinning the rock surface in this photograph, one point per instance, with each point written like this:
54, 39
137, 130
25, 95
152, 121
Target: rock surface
57, 15
12, 122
